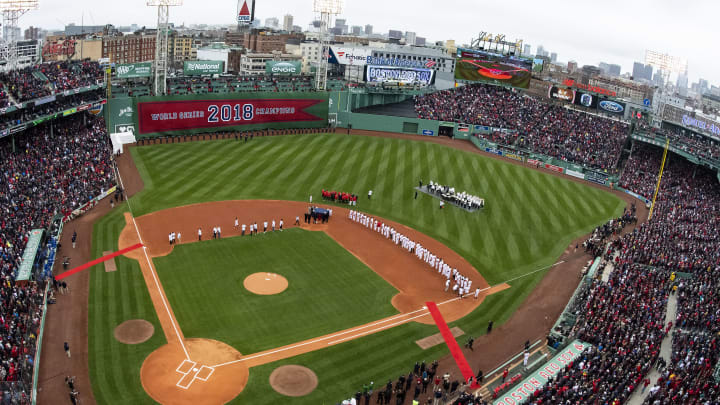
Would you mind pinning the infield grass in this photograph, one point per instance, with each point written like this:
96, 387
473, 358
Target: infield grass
326, 287
530, 218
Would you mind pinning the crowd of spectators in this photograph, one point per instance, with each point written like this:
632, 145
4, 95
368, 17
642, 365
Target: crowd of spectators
541, 127
690, 142
50, 172
61, 103
49, 78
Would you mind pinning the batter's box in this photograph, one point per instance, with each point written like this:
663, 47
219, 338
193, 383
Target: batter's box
186, 366
204, 373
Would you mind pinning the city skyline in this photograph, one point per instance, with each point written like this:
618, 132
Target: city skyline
630, 28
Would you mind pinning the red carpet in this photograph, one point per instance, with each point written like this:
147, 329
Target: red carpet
96, 261
452, 344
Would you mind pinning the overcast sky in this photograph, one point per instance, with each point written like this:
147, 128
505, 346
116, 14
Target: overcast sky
588, 31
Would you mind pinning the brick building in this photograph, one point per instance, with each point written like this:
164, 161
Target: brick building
129, 48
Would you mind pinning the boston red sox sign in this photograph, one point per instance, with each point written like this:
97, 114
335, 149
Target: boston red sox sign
239, 111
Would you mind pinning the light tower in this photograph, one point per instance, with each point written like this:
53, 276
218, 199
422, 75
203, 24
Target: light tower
327, 9
161, 42
12, 11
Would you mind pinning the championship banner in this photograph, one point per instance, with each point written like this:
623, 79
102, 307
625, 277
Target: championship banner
222, 112
133, 70
203, 67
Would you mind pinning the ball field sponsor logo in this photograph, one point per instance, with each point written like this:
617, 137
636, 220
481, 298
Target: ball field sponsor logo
125, 69
284, 67
611, 106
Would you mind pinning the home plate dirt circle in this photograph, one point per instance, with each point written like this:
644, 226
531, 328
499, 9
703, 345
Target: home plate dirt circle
293, 380
265, 283
170, 378
134, 331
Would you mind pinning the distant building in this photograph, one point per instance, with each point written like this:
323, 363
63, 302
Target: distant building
420, 41
614, 70
341, 27
260, 41
287, 22
368, 29
272, 22
395, 34
253, 64
72, 29
526, 50
32, 33
129, 48
410, 37
553, 57
356, 30
572, 66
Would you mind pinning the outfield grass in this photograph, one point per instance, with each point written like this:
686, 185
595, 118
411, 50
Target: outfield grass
529, 219
204, 283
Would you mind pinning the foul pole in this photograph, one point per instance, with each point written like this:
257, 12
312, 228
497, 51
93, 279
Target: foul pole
657, 187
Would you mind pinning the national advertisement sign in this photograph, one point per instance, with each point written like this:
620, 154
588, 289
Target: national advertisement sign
612, 107
428, 132
553, 168
513, 156
203, 67
527, 387
244, 16
597, 178
574, 173
388, 74
222, 112
346, 55
133, 70
282, 68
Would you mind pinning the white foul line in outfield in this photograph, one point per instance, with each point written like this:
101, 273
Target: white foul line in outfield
152, 271
359, 328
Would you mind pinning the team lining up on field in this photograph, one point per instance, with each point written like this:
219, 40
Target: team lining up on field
462, 284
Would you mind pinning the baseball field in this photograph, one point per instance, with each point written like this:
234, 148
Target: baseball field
338, 276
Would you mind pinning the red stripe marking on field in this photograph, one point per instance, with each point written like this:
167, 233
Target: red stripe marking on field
97, 261
451, 343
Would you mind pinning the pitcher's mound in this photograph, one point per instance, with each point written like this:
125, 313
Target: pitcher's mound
212, 375
134, 331
293, 381
265, 283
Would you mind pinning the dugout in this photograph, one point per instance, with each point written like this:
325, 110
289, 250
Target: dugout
446, 129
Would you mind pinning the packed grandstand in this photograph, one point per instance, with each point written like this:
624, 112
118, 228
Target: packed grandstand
55, 167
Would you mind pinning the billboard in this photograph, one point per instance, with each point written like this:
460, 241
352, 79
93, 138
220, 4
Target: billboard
203, 67
172, 115
345, 55
504, 70
389, 74
538, 65
558, 93
132, 70
612, 107
282, 68
586, 99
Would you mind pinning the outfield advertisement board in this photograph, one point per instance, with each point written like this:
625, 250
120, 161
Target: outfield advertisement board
345, 55
553, 168
385, 74
476, 65
612, 107
596, 177
133, 70
203, 67
282, 68
574, 173
586, 99
548, 371
223, 112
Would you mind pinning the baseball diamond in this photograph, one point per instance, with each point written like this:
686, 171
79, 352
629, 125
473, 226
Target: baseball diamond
352, 297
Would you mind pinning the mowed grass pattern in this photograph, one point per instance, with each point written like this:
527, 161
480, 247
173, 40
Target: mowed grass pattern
530, 218
204, 284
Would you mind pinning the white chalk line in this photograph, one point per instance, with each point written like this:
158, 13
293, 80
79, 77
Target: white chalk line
375, 323
152, 271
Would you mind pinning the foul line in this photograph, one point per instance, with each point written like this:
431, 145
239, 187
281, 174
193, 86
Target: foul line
358, 328
97, 261
152, 271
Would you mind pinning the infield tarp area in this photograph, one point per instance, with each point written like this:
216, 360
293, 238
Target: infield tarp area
186, 114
